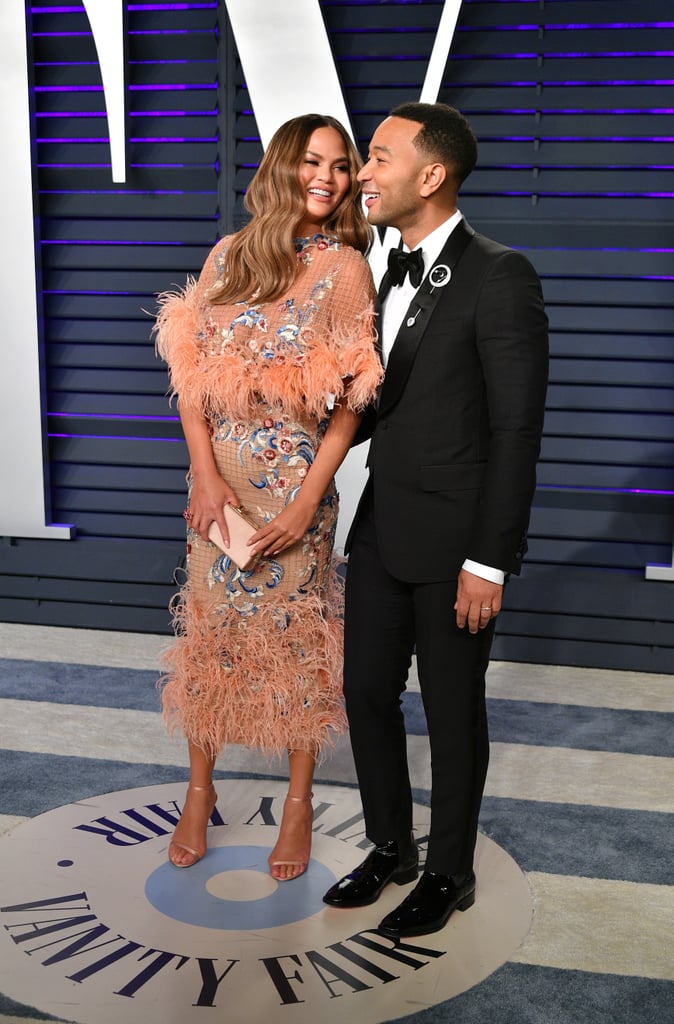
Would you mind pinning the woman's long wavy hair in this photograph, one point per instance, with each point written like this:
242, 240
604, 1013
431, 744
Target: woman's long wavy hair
261, 260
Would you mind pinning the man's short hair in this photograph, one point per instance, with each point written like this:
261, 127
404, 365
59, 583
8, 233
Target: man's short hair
445, 135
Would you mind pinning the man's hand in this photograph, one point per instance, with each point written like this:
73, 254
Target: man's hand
477, 601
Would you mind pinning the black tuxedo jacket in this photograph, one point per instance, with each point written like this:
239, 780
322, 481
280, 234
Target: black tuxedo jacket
457, 426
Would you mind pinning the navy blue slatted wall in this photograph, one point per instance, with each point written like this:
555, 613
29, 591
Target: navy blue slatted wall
572, 104
571, 101
116, 452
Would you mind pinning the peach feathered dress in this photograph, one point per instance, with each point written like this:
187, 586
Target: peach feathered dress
257, 656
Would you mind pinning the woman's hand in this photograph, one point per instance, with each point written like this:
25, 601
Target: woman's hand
208, 495
209, 492
292, 523
286, 529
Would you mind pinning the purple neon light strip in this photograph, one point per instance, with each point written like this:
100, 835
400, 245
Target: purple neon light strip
174, 7
534, 55
492, 138
44, 140
78, 9
580, 195
95, 64
86, 291
66, 64
168, 88
595, 82
609, 53
93, 165
73, 138
177, 113
595, 138
597, 248
646, 490
134, 113
541, 136
171, 32
609, 490
132, 88
130, 192
98, 241
68, 88
145, 32
608, 24
560, 28
157, 63
554, 111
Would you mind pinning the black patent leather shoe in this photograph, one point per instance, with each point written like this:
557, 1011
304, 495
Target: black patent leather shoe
388, 862
429, 906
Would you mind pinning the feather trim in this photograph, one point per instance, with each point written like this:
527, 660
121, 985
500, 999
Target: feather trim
361, 364
176, 330
226, 384
271, 681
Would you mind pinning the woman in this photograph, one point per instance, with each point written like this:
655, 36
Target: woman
271, 355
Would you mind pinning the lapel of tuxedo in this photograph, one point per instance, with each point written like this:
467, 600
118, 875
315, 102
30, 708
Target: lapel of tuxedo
408, 338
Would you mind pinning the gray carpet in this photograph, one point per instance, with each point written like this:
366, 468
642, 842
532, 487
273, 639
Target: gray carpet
611, 831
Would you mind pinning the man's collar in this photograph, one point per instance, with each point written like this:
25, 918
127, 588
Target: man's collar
434, 242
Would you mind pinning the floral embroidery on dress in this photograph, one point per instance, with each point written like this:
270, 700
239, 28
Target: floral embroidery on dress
303, 246
284, 451
285, 345
243, 589
276, 443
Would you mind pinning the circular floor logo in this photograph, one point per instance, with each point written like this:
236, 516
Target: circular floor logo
95, 925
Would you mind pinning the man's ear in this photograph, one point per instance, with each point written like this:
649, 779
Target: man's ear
433, 177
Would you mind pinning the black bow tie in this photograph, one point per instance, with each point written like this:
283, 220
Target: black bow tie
399, 263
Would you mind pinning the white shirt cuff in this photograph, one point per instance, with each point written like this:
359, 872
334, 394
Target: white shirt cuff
487, 572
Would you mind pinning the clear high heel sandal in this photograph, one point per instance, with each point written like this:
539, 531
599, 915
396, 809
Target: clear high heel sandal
302, 863
175, 844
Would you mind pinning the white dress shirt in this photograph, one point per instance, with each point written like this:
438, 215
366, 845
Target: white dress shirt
399, 297
394, 309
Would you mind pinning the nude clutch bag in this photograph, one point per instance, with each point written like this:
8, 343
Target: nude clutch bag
241, 529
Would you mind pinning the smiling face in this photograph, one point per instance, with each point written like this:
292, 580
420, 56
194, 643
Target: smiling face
395, 179
324, 177
390, 179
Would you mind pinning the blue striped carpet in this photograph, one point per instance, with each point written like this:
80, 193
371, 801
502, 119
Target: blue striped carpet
580, 793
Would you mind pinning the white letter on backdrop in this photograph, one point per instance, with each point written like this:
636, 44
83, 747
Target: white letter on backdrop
24, 494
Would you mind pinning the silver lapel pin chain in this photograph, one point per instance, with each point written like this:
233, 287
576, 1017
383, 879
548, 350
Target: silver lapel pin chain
439, 276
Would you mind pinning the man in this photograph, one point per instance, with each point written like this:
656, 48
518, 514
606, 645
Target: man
443, 518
